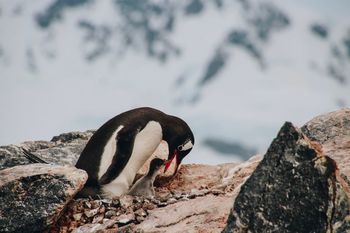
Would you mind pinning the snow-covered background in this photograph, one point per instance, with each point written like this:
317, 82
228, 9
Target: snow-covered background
235, 70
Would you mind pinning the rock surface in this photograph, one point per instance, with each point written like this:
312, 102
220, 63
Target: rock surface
332, 131
61, 150
32, 197
293, 189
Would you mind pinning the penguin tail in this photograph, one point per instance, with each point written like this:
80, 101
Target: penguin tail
32, 157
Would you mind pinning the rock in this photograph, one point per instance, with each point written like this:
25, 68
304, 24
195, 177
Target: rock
107, 226
141, 212
62, 150
202, 214
293, 189
77, 216
126, 201
11, 156
110, 213
33, 196
332, 131
98, 218
194, 176
125, 218
91, 213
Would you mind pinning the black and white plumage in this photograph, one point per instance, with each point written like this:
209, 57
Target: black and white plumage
144, 186
120, 147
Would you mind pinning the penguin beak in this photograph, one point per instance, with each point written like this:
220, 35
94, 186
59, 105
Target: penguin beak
168, 162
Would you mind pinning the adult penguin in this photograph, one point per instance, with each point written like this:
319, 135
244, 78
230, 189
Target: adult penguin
120, 147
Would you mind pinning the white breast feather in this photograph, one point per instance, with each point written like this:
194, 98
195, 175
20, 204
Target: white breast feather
146, 142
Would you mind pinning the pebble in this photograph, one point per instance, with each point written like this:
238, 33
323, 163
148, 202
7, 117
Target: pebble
108, 222
171, 201
110, 213
126, 201
107, 201
96, 204
91, 213
140, 218
87, 204
141, 212
98, 218
77, 216
125, 218
115, 202
102, 209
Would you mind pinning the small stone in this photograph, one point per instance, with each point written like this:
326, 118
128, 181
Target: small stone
111, 208
91, 213
64, 229
127, 229
141, 212
217, 192
148, 205
73, 225
139, 219
171, 201
96, 204
125, 218
184, 198
162, 204
138, 199
107, 201
77, 217
89, 228
164, 196
102, 209
177, 194
115, 202
137, 206
126, 201
84, 219
98, 218
108, 223
110, 213
198, 193
87, 204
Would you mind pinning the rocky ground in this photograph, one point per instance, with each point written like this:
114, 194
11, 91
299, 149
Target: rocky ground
300, 185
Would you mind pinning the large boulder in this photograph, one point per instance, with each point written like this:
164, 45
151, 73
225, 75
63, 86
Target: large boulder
295, 188
32, 197
332, 131
63, 149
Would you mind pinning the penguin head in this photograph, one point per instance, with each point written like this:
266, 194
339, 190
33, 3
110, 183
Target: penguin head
156, 163
179, 147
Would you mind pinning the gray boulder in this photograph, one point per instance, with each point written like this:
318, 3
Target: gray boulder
63, 149
295, 188
32, 197
332, 131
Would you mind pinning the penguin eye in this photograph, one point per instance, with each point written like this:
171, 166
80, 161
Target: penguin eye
186, 146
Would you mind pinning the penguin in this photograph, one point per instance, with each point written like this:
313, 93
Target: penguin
121, 146
144, 186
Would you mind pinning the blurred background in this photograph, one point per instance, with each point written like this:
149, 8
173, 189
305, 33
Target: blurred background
235, 70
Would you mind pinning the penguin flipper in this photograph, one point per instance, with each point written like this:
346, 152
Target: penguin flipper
125, 143
32, 157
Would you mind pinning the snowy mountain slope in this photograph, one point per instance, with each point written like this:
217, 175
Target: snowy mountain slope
235, 70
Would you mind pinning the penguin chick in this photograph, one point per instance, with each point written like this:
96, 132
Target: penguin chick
144, 186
